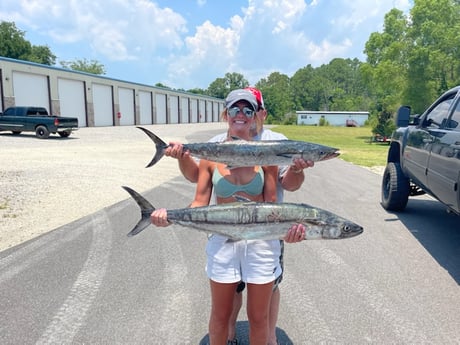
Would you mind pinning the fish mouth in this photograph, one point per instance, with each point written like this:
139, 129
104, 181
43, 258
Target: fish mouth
352, 231
330, 155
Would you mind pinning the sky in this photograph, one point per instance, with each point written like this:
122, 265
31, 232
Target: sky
187, 44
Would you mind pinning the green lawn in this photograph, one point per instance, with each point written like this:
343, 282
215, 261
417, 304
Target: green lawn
353, 142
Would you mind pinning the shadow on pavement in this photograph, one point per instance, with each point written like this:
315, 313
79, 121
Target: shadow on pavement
437, 230
242, 331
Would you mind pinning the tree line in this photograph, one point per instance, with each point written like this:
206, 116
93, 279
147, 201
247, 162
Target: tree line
411, 61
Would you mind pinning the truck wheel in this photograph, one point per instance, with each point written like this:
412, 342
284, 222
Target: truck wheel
395, 188
65, 134
42, 132
16, 132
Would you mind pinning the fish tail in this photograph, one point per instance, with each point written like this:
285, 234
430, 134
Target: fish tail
159, 144
146, 209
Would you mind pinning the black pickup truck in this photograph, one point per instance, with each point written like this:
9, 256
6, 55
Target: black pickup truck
36, 119
424, 156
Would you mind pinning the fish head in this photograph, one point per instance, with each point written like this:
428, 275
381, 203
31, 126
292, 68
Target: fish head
326, 152
349, 229
340, 229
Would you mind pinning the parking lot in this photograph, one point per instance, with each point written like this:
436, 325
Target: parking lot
45, 184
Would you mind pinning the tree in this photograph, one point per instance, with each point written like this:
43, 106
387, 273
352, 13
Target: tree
222, 86
277, 97
43, 55
14, 45
88, 66
385, 71
433, 56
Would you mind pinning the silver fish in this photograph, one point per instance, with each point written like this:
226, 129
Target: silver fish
252, 220
239, 153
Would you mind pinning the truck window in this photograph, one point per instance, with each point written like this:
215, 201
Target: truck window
454, 121
36, 112
439, 114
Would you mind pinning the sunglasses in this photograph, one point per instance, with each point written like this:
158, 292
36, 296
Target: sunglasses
248, 112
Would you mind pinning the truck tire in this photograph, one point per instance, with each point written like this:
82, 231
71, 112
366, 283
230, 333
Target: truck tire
42, 132
64, 134
395, 188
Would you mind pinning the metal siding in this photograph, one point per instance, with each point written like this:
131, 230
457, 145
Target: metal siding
72, 99
31, 89
145, 107
126, 102
160, 102
103, 107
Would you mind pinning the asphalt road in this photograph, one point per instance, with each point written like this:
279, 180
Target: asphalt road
87, 283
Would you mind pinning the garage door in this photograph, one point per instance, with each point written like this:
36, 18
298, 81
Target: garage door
72, 99
194, 110
184, 114
103, 107
145, 107
126, 99
31, 89
160, 107
174, 109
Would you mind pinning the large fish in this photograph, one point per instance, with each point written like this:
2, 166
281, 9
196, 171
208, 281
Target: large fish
239, 153
252, 220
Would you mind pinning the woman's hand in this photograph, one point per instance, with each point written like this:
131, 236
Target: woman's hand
159, 217
296, 233
175, 150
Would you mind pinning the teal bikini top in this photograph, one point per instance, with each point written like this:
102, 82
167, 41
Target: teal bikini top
225, 189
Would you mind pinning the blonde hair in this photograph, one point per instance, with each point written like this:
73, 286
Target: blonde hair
223, 115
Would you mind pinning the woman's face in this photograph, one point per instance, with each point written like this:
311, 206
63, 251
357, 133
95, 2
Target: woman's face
240, 117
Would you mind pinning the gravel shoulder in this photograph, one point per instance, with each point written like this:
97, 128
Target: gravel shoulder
45, 184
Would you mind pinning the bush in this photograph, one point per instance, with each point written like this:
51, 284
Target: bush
323, 122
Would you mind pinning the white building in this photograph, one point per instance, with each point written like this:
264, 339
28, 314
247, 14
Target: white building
98, 100
333, 118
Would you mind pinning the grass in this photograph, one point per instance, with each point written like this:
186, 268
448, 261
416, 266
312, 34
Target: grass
354, 142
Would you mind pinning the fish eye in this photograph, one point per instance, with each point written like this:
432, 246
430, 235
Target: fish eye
346, 228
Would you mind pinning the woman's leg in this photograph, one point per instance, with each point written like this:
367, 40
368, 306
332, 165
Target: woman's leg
258, 306
221, 309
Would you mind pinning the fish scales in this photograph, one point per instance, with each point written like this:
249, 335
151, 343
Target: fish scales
252, 220
238, 152
247, 213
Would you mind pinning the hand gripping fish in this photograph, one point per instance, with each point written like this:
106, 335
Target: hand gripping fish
252, 220
239, 153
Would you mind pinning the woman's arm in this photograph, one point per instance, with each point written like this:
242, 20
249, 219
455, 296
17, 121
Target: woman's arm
270, 177
204, 185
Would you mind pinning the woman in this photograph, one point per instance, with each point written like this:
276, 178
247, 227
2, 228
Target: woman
255, 262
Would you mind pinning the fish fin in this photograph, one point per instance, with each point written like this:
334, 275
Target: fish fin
159, 144
146, 209
241, 198
236, 138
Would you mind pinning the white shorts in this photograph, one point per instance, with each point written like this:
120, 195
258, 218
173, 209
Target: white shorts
252, 261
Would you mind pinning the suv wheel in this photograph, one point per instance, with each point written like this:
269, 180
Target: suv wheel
395, 188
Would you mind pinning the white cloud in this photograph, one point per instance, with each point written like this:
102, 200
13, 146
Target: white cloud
253, 37
114, 30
